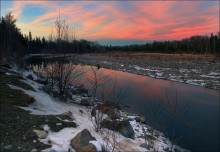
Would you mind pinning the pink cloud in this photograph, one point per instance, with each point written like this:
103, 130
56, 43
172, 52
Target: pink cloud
146, 20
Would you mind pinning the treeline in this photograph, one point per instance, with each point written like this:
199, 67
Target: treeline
194, 44
12, 41
16, 44
62, 40
38, 45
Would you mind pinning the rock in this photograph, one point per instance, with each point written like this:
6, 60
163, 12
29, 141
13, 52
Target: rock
137, 119
123, 127
41, 134
167, 149
80, 111
30, 77
74, 92
67, 113
8, 147
130, 119
59, 124
81, 142
79, 90
41, 81
47, 88
112, 105
82, 89
113, 114
55, 94
85, 102
142, 119
33, 150
109, 108
145, 145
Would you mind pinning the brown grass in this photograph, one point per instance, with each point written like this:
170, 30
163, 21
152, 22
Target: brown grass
157, 56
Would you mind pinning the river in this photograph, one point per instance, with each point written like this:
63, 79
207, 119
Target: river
185, 113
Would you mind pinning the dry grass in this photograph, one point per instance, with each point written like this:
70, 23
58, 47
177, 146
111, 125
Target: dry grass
157, 56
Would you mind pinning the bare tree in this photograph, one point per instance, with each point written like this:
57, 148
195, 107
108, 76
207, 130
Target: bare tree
112, 141
64, 73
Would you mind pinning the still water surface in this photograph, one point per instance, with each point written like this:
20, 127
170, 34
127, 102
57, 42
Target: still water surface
196, 124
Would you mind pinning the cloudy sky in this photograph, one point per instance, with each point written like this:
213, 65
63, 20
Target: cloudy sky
121, 22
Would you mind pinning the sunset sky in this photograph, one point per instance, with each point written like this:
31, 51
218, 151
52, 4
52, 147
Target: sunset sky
118, 22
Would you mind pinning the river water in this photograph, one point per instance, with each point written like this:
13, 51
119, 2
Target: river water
187, 114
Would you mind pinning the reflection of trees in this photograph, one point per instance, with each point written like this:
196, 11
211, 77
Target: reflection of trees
96, 80
173, 111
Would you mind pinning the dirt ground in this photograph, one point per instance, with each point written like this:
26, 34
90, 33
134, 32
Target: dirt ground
16, 124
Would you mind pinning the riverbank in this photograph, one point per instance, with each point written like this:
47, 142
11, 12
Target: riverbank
200, 70
32, 120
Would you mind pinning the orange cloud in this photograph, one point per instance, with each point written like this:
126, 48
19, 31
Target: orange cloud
144, 20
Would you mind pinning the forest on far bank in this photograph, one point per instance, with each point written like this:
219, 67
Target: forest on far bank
15, 43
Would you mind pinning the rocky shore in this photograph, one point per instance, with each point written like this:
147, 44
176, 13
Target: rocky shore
34, 120
196, 71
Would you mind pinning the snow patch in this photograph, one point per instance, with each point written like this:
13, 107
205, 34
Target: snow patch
45, 105
97, 144
214, 74
60, 140
210, 76
46, 128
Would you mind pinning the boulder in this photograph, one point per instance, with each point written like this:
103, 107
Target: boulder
79, 90
66, 116
109, 108
113, 114
41, 134
137, 119
123, 127
112, 105
34, 150
142, 119
130, 119
30, 77
55, 94
81, 142
86, 102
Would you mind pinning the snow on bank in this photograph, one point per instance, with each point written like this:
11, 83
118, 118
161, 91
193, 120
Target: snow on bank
46, 105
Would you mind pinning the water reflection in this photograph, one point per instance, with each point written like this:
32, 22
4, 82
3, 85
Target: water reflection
197, 124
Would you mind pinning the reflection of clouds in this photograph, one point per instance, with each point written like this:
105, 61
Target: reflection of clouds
143, 88
200, 123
